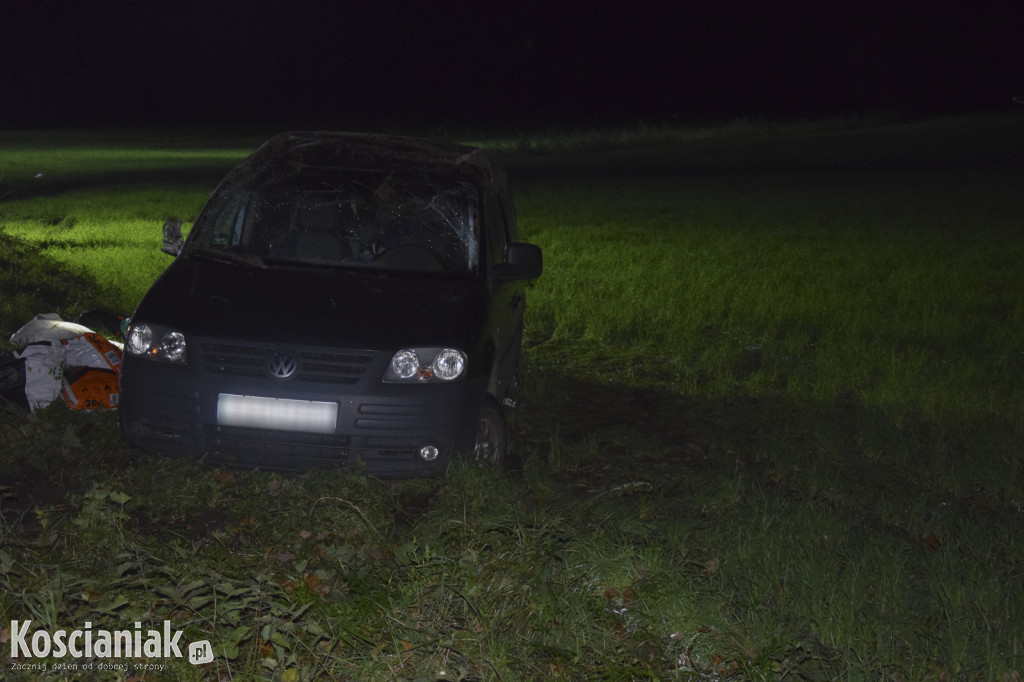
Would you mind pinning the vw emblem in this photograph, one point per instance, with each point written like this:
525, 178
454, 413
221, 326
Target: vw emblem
282, 365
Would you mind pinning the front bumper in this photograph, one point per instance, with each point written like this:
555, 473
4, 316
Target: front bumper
380, 427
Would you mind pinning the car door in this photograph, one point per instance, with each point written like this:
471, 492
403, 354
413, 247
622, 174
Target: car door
507, 297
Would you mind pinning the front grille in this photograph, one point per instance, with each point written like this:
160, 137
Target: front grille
314, 366
332, 367
275, 449
398, 418
221, 358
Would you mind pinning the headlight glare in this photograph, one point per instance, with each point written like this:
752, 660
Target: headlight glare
425, 365
405, 364
173, 346
158, 343
140, 339
449, 364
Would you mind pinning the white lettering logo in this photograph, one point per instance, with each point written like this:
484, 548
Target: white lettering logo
90, 643
200, 652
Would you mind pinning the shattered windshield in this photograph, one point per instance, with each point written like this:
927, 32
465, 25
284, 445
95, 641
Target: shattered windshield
375, 220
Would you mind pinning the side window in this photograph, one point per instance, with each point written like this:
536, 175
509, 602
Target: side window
223, 223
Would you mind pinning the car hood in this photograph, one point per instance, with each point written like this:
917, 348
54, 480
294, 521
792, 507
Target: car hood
312, 306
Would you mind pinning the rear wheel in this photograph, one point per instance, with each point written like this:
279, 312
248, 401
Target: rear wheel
491, 436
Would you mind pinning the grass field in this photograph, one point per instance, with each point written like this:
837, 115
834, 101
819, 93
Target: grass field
772, 427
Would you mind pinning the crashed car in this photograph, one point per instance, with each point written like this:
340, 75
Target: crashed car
342, 299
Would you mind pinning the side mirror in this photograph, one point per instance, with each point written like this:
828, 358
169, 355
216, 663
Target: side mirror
173, 241
524, 261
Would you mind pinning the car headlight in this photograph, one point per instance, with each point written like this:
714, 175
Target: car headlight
417, 365
157, 342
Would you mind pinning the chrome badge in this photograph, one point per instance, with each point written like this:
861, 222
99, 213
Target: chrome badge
282, 365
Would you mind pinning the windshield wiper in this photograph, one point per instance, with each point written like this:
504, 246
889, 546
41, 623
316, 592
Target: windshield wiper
228, 257
348, 265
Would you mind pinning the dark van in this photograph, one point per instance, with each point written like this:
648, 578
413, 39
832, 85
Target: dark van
342, 299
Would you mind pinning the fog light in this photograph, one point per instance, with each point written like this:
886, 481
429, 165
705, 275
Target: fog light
428, 453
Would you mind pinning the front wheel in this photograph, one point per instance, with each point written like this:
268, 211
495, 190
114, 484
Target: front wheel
491, 436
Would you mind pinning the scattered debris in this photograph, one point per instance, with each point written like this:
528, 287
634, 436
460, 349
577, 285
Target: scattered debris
57, 358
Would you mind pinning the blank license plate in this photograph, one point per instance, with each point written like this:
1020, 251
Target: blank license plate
276, 413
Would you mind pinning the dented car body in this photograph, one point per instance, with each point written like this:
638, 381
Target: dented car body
342, 299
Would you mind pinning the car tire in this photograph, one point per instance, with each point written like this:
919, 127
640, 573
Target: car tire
491, 446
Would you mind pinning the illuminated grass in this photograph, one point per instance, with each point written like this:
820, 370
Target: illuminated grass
812, 280
802, 312
772, 428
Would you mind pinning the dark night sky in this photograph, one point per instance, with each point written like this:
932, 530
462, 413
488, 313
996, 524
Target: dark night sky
381, 63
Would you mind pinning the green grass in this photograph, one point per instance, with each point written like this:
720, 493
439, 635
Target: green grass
772, 428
